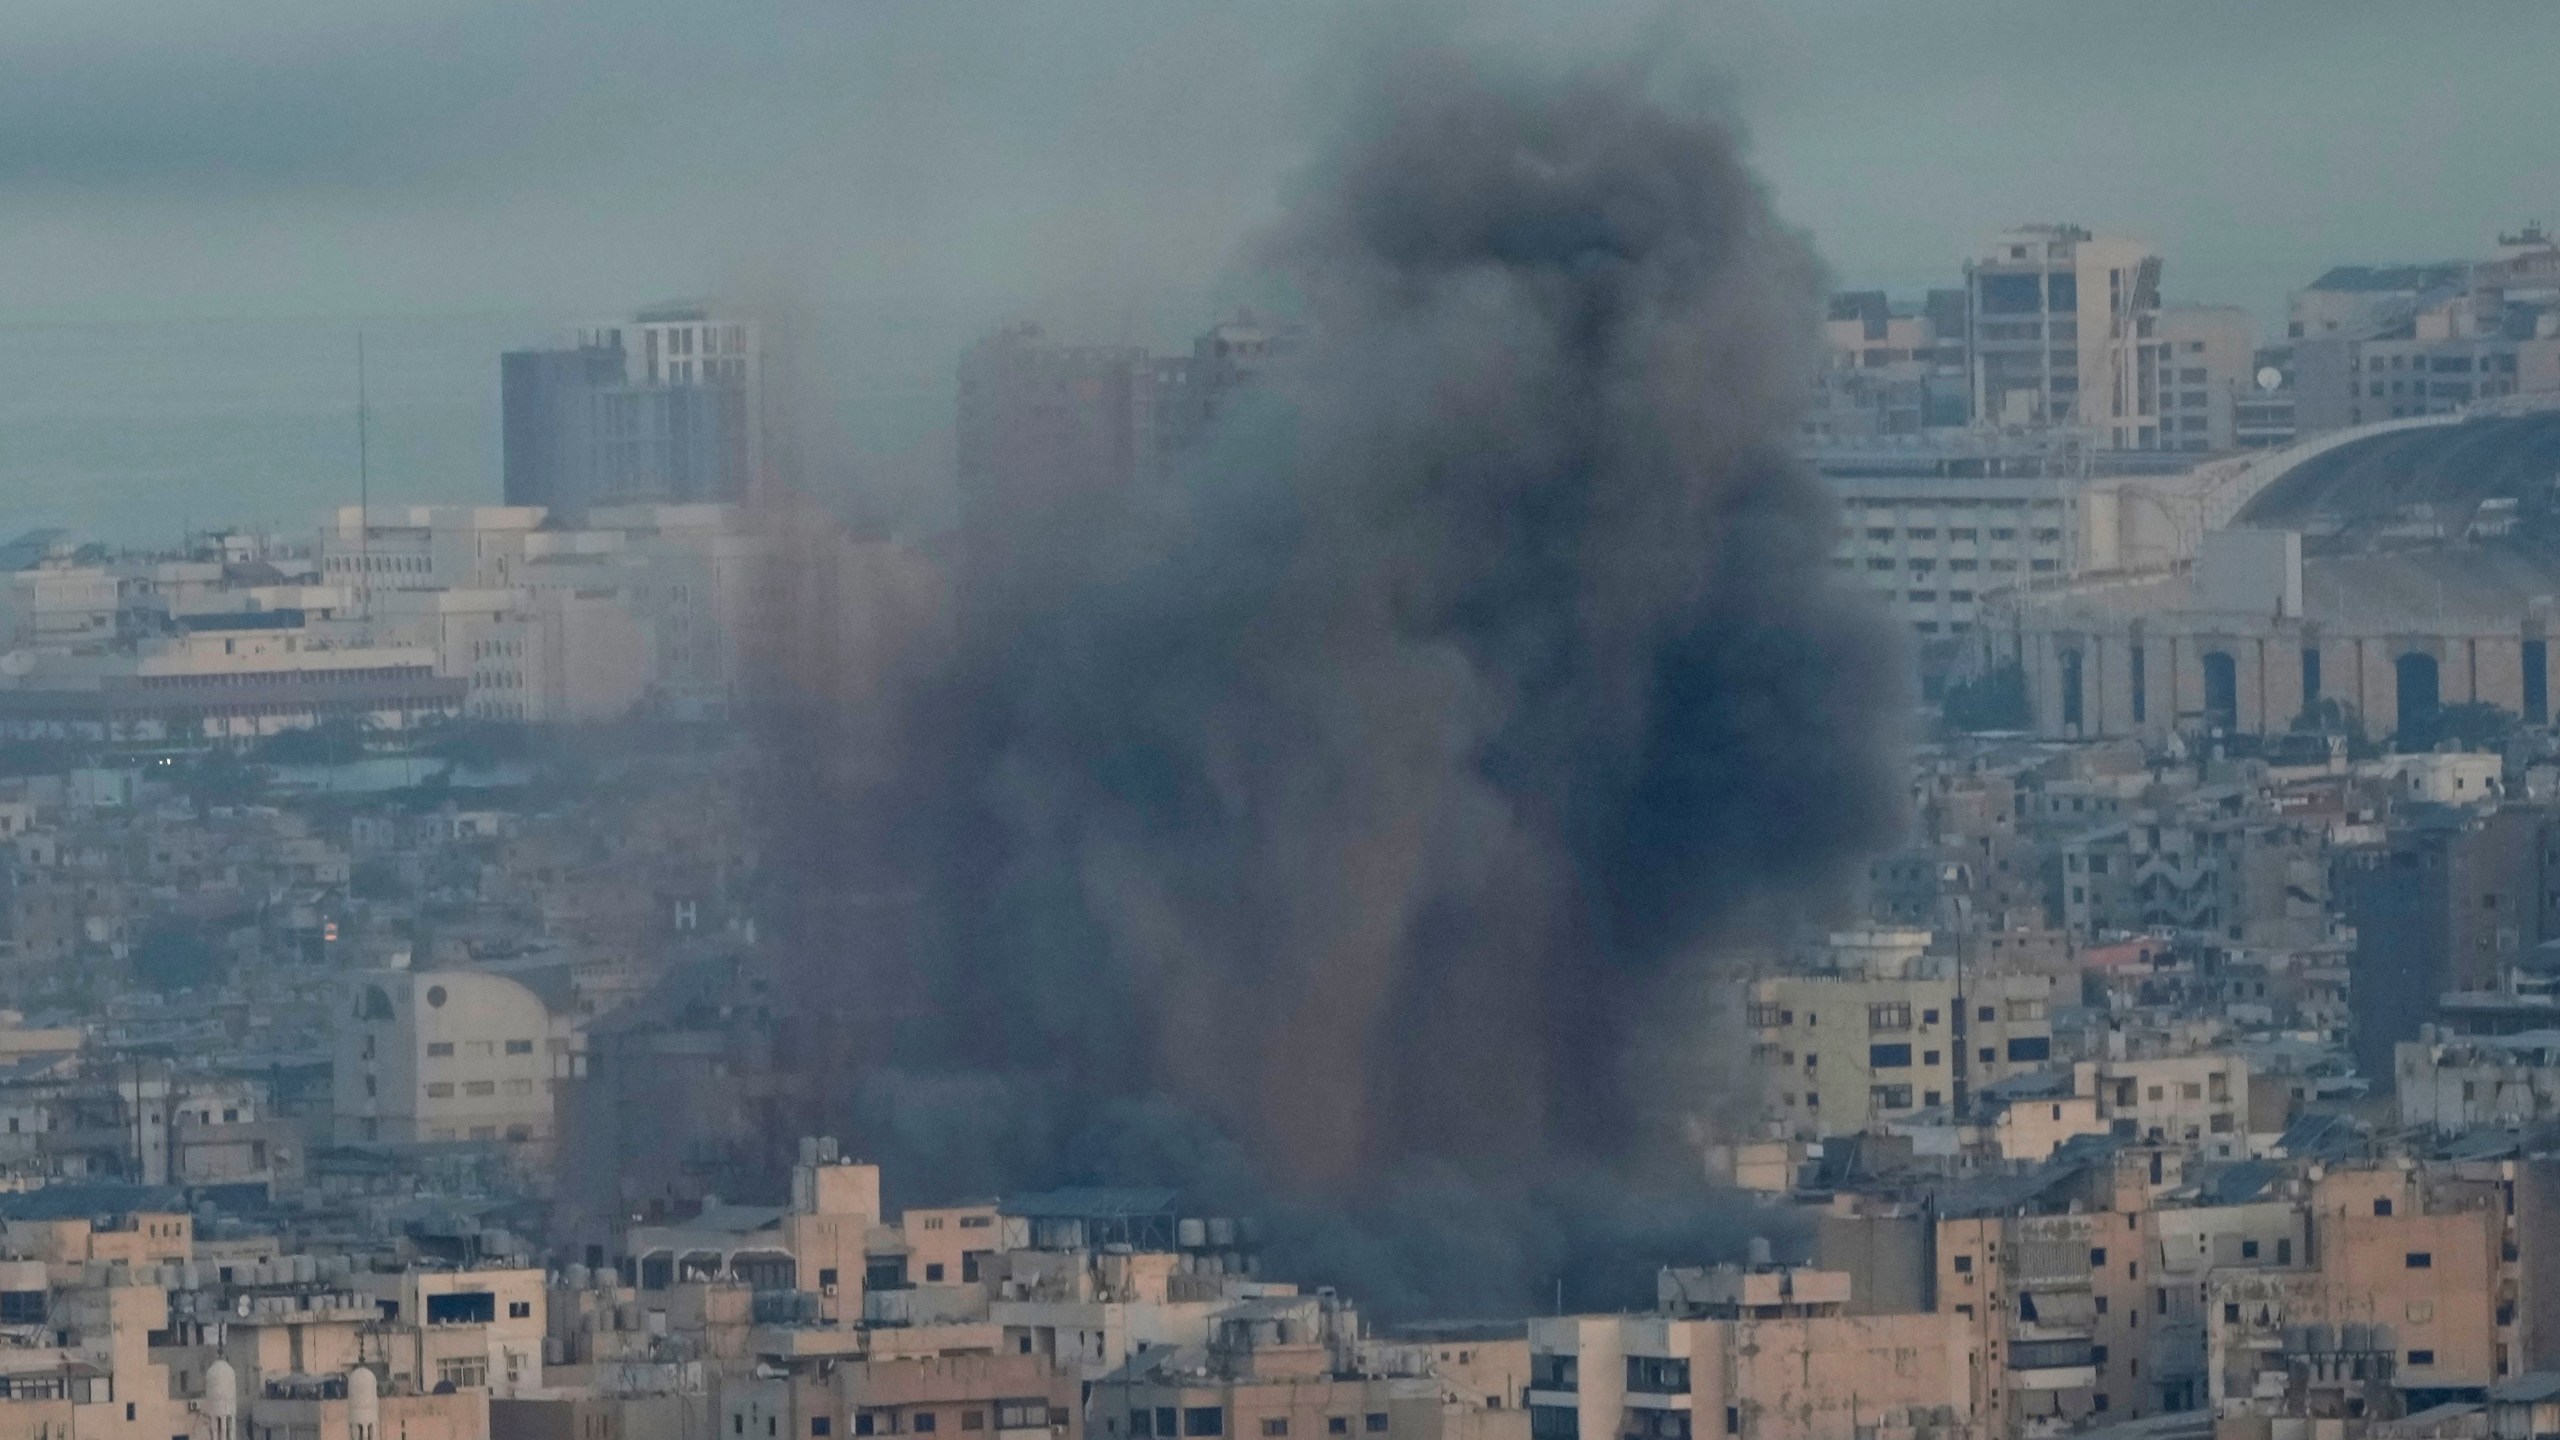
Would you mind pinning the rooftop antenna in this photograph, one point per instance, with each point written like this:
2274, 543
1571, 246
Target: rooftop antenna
364, 487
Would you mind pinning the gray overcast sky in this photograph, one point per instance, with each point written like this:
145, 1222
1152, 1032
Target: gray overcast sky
1088, 157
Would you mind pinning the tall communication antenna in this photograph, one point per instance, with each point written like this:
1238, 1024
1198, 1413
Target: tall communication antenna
364, 488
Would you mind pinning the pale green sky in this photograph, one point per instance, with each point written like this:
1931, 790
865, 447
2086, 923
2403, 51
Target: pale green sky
1085, 159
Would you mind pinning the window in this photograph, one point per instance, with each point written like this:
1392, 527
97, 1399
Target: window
1889, 1017
2230, 1314
2248, 1249
1341, 1424
2419, 1358
438, 1049
932, 1274
2382, 1207
519, 1047
2097, 1257
468, 1307
1375, 1422
1888, 1057
1203, 1420
865, 1424
822, 1425
1657, 1375
1889, 1097
519, 1309
924, 1422
1964, 1264
2420, 1260
1276, 1425
440, 1090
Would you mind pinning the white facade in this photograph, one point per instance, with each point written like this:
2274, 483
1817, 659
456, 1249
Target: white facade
1933, 547
425, 547
57, 604
445, 1055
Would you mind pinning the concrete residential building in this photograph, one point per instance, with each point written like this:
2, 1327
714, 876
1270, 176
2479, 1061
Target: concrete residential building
2063, 333
1283, 1365
2393, 342
2204, 362
665, 406
2439, 906
1890, 1032
1766, 1354
2404, 1305
1890, 370
2200, 1102
441, 1055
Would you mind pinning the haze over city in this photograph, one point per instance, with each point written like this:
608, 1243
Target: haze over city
1622, 721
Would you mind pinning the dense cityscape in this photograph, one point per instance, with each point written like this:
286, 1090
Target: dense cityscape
393, 1041
1578, 829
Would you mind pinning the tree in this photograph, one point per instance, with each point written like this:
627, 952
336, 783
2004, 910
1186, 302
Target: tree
218, 777
2472, 725
327, 743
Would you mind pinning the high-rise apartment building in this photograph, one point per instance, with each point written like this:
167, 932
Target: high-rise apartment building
2062, 329
1054, 436
1889, 369
666, 406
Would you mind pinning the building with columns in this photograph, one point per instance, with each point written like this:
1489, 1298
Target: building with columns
2366, 585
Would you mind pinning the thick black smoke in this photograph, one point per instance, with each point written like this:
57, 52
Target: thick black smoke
1376, 789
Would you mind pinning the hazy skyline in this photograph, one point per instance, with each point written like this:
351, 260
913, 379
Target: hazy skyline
1092, 162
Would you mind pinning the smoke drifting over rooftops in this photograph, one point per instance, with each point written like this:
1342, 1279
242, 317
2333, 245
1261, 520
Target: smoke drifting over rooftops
1366, 802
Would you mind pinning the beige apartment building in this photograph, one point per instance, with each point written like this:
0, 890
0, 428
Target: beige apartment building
2410, 1290
1765, 1354
1893, 1031
817, 1245
2198, 1101
974, 1395
1285, 1367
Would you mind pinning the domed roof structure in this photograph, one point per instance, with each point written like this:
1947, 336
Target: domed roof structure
2428, 481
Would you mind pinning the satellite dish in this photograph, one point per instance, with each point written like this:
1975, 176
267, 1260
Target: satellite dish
2270, 378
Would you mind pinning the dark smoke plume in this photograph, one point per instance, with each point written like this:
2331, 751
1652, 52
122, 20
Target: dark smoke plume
1354, 813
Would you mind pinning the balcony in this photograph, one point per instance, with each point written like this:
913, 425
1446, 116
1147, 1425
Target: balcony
2066, 1364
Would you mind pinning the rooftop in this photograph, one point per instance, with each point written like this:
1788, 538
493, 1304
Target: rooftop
2357, 485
